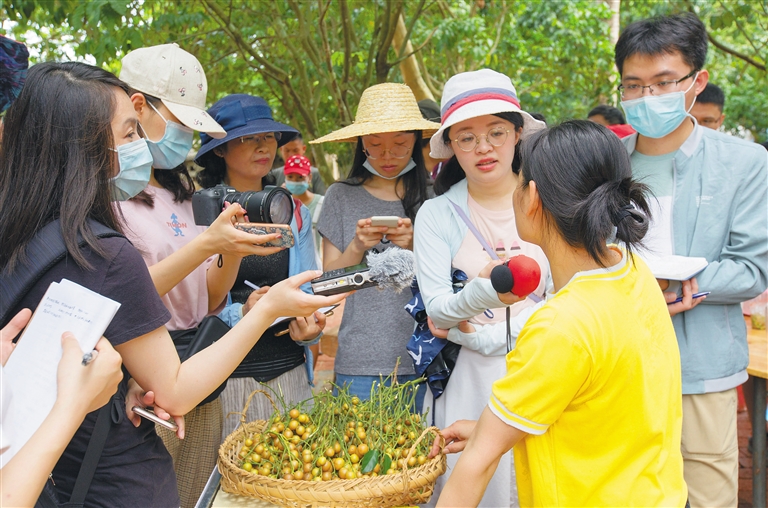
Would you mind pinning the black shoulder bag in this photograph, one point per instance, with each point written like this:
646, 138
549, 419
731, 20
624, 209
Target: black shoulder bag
45, 250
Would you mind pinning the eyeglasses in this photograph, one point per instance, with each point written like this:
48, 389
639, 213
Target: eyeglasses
660, 88
258, 139
377, 152
467, 141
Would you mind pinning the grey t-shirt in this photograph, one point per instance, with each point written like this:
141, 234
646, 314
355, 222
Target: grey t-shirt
375, 328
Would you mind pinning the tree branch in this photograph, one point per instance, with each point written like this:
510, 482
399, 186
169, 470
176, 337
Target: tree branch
409, 27
405, 57
722, 47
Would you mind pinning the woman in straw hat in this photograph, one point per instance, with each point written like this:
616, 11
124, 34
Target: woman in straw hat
469, 226
243, 159
387, 179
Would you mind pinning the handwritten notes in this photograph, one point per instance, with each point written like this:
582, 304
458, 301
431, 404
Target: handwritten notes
30, 373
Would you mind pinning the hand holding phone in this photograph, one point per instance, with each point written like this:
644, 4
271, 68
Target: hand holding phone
286, 240
151, 416
390, 221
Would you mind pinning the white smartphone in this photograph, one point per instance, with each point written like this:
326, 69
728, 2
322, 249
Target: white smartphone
151, 416
389, 221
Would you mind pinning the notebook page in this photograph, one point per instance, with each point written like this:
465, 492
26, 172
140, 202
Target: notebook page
30, 372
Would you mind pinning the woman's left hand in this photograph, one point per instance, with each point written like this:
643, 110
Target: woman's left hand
136, 396
402, 235
307, 328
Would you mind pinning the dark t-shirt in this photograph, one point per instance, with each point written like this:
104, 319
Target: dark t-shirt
135, 469
272, 356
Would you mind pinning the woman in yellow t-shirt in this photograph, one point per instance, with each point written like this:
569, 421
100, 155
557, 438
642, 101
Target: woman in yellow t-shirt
591, 400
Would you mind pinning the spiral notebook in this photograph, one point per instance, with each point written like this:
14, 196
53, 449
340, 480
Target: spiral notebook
675, 267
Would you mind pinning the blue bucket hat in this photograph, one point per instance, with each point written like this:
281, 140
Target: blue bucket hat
243, 115
14, 61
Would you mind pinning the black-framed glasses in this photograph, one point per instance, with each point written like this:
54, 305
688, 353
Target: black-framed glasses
467, 141
660, 88
258, 139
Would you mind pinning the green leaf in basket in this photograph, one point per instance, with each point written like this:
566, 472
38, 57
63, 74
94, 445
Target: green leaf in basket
386, 464
370, 460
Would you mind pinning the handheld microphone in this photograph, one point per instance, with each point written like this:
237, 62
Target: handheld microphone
519, 275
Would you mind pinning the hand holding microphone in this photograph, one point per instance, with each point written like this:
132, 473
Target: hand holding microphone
516, 278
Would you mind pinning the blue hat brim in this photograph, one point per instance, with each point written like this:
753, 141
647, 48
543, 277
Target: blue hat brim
256, 127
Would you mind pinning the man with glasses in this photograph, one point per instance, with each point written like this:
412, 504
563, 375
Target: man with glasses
708, 108
711, 197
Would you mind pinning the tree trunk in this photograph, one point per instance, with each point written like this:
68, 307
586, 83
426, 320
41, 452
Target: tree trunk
409, 67
615, 21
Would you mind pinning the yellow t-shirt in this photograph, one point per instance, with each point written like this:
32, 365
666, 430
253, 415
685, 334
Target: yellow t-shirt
594, 379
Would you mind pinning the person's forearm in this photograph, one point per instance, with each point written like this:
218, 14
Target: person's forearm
24, 476
170, 271
221, 280
469, 479
352, 255
197, 377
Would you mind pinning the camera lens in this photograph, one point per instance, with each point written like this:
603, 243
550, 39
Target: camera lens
273, 205
358, 279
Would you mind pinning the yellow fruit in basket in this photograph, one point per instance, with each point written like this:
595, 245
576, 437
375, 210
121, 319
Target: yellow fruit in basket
294, 413
391, 471
247, 466
412, 462
327, 476
288, 433
301, 430
288, 477
307, 467
293, 424
321, 461
354, 459
338, 463
336, 447
362, 449
249, 442
316, 471
421, 459
352, 449
303, 418
327, 467
330, 452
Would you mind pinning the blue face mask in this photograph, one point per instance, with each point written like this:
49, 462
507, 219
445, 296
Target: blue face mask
296, 188
655, 116
135, 169
172, 150
408, 167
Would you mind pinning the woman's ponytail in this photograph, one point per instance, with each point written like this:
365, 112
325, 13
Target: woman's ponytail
584, 178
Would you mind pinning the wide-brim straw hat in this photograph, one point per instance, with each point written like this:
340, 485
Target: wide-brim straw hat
477, 93
388, 107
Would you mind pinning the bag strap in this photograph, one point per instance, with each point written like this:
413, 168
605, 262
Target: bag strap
44, 250
92, 456
297, 213
493, 255
474, 231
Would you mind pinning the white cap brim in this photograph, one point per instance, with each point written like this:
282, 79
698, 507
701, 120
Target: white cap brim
196, 119
440, 150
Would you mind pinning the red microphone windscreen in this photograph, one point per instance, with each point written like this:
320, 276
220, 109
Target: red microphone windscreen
526, 273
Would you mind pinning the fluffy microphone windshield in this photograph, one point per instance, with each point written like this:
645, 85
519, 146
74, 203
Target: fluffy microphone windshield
392, 269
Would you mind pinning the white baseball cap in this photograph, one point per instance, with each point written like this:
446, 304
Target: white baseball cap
177, 79
477, 93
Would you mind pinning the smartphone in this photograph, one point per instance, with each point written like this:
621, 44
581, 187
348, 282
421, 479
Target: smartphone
151, 416
389, 221
695, 295
286, 241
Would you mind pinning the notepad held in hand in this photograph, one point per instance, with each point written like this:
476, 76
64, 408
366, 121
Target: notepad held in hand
675, 267
32, 368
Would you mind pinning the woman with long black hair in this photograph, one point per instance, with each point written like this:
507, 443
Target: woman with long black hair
387, 179
71, 147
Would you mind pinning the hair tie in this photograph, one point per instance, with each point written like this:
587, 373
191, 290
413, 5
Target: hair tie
624, 212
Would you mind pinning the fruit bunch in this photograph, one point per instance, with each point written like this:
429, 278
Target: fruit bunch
340, 437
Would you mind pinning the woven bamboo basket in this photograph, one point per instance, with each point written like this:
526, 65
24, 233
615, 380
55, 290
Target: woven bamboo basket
409, 487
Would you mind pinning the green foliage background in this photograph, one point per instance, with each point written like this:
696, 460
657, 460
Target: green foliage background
311, 59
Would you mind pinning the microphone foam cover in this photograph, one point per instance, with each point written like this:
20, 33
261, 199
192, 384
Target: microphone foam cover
501, 279
526, 273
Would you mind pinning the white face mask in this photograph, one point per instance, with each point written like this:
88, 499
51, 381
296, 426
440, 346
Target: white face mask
407, 168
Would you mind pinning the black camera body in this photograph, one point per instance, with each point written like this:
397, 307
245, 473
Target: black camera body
273, 205
343, 280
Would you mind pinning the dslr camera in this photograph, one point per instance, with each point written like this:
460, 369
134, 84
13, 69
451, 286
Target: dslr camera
273, 205
343, 280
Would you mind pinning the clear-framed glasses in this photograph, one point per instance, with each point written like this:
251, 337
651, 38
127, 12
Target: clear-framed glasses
660, 88
467, 141
377, 152
258, 139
